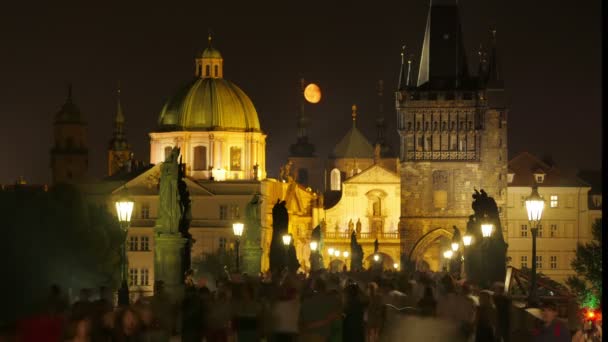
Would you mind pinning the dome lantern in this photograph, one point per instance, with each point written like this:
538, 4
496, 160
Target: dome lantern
209, 64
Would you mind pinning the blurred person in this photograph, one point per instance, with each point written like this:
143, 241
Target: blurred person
247, 313
427, 304
83, 306
220, 313
127, 326
318, 311
162, 307
503, 304
590, 330
354, 309
150, 330
285, 313
191, 315
374, 313
552, 329
486, 319
79, 330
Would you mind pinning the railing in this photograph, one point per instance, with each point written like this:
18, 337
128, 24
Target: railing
433, 155
366, 235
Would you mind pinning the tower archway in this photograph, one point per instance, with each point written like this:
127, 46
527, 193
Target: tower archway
427, 253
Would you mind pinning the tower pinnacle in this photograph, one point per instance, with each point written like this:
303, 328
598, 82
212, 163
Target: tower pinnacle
354, 114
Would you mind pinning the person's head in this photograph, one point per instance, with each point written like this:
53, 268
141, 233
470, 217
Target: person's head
129, 322
84, 295
549, 312
83, 328
204, 292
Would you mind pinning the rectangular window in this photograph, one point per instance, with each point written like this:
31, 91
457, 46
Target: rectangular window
235, 158
553, 230
553, 262
539, 261
524, 230
145, 243
132, 276
540, 230
223, 212
133, 243
145, 211
524, 261
234, 211
222, 243
144, 277
554, 202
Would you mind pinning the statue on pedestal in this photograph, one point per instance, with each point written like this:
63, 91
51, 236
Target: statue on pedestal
356, 252
351, 226
358, 229
169, 210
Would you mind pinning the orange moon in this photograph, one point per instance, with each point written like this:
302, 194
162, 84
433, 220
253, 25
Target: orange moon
312, 93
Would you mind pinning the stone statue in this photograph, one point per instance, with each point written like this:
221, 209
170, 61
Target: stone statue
356, 252
351, 226
256, 169
252, 233
376, 246
358, 229
170, 208
316, 258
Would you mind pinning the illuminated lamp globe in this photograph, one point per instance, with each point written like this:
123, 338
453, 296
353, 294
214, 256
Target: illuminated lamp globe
345, 254
314, 245
124, 209
486, 229
448, 254
376, 257
286, 239
337, 253
455, 246
237, 228
535, 206
330, 251
396, 265
467, 239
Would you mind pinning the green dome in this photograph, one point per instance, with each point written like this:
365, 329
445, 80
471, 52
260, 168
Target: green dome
209, 104
211, 53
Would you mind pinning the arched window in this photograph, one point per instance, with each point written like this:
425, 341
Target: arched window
200, 70
335, 180
200, 158
168, 150
216, 70
207, 72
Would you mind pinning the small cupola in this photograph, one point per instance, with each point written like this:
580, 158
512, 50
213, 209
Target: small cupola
210, 63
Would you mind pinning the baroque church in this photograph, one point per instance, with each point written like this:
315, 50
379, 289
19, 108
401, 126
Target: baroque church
452, 127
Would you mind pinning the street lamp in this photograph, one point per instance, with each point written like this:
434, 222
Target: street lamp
286, 243
448, 255
455, 246
376, 257
314, 245
337, 253
124, 209
466, 240
396, 266
486, 228
534, 206
331, 251
237, 228
314, 258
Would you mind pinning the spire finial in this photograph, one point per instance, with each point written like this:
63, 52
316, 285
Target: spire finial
402, 54
209, 37
354, 115
118, 89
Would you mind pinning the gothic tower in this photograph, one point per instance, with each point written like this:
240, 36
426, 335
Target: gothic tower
119, 150
69, 155
306, 164
453, 135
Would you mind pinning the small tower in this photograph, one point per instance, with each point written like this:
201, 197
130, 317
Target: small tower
119, 150
69, 155
210, 63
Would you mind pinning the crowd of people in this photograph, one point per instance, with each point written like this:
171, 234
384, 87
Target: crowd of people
293, 307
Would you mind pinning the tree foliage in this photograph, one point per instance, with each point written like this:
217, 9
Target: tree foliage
54, 237
587, 264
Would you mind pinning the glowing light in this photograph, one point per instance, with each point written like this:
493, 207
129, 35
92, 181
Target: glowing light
312, 93
219, 174
534, 206
376, 257
448, 254
286, 239
314, 245
337, 253
486, 229
455, 246
345, 254
467, 239
331, 251
237, 228
124, 208
396, 265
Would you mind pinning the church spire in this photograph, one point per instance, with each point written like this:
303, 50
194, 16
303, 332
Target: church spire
482, 70
403, 78
119, 151
494, 72
380, 125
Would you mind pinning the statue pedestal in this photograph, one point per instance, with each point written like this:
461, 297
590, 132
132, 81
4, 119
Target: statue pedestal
168, 252
252, 260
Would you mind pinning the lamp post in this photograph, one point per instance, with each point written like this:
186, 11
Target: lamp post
377, 261
448, 255
314, 259
237, 229
534, 206
345, 255
286, 243
466, 242
124, 209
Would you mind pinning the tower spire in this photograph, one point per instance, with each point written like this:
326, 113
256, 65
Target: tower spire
354, 114
403, 79
409, 68
483, 64
494, 77
209, 38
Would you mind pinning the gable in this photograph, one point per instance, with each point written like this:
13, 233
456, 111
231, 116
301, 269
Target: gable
147, 184
375, 174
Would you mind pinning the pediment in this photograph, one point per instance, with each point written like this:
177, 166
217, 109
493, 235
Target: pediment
147, 184
375, 174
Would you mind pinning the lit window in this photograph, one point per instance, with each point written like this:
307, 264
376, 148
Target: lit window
524, 261
553, 230
133, 243
335, 180
539, 261
554, 202
145, 211
144, 277
132, 276
145, 243
553, 264
223, 212
200, 158
234, 211
524, 230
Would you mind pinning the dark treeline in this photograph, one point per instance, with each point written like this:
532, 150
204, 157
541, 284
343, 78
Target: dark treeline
53, 237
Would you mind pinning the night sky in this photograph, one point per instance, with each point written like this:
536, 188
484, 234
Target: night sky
549, 51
